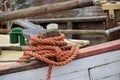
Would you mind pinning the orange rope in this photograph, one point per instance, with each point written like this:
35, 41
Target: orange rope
49, 51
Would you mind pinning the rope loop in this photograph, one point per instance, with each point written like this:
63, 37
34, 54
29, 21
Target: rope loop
49, 50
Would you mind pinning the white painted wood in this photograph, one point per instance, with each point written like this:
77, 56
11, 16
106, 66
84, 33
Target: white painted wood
88, 62
5, 41
113, 77
76, 70
105, 70
83, 75
82, 78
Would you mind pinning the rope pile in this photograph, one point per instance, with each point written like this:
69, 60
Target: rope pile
49, 50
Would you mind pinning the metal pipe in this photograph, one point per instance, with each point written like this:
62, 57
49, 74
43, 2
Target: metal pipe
41, 10
112, 30
26, 24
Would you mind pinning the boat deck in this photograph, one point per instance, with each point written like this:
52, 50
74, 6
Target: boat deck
5, 41
10, 55
16, 54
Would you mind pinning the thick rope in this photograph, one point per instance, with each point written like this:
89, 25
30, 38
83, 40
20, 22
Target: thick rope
49, 50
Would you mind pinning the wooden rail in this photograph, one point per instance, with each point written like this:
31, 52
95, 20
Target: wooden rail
41, 10
84, 32
77, 19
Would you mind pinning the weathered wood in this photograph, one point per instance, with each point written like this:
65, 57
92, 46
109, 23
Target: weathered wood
10, 55
79, 23
76, 70
84, 52
11, 48
69, 27
40, 10
84, 32
77, 19
110, 23
4, 31
105, 70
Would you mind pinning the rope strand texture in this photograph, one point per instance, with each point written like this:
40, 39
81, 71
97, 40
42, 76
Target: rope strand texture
49, 51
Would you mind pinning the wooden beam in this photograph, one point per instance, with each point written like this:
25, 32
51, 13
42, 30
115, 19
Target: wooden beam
84, 32
4, 31
77, 19
41, 10
99, 49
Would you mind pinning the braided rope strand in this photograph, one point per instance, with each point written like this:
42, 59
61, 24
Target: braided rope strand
49, 50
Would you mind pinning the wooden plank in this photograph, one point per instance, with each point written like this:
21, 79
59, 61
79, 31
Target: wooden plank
59, 20
45, 9
84, 32
101, 72
113, 77
5, 41
85, 52
4, 31
77, 75
78, 43
82, 78
69, 27
98, 49
78, 67
39, 75
10, 55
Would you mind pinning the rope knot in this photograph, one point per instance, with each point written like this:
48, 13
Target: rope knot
49, 50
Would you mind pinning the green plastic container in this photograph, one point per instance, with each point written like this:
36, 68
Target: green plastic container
16, 36
22, 40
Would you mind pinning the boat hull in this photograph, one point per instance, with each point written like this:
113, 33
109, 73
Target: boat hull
99, 67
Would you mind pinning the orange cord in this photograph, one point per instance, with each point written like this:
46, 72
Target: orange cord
49, 51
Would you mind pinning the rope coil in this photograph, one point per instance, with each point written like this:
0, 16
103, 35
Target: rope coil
49, 51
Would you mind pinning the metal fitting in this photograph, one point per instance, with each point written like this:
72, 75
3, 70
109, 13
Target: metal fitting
111, 7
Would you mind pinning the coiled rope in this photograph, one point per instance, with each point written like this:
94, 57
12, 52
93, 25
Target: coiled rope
49, 50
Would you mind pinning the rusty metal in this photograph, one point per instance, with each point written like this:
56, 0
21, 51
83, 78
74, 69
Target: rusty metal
112, 9
40, 10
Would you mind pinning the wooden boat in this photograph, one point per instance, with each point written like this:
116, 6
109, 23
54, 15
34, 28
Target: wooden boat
98, 62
